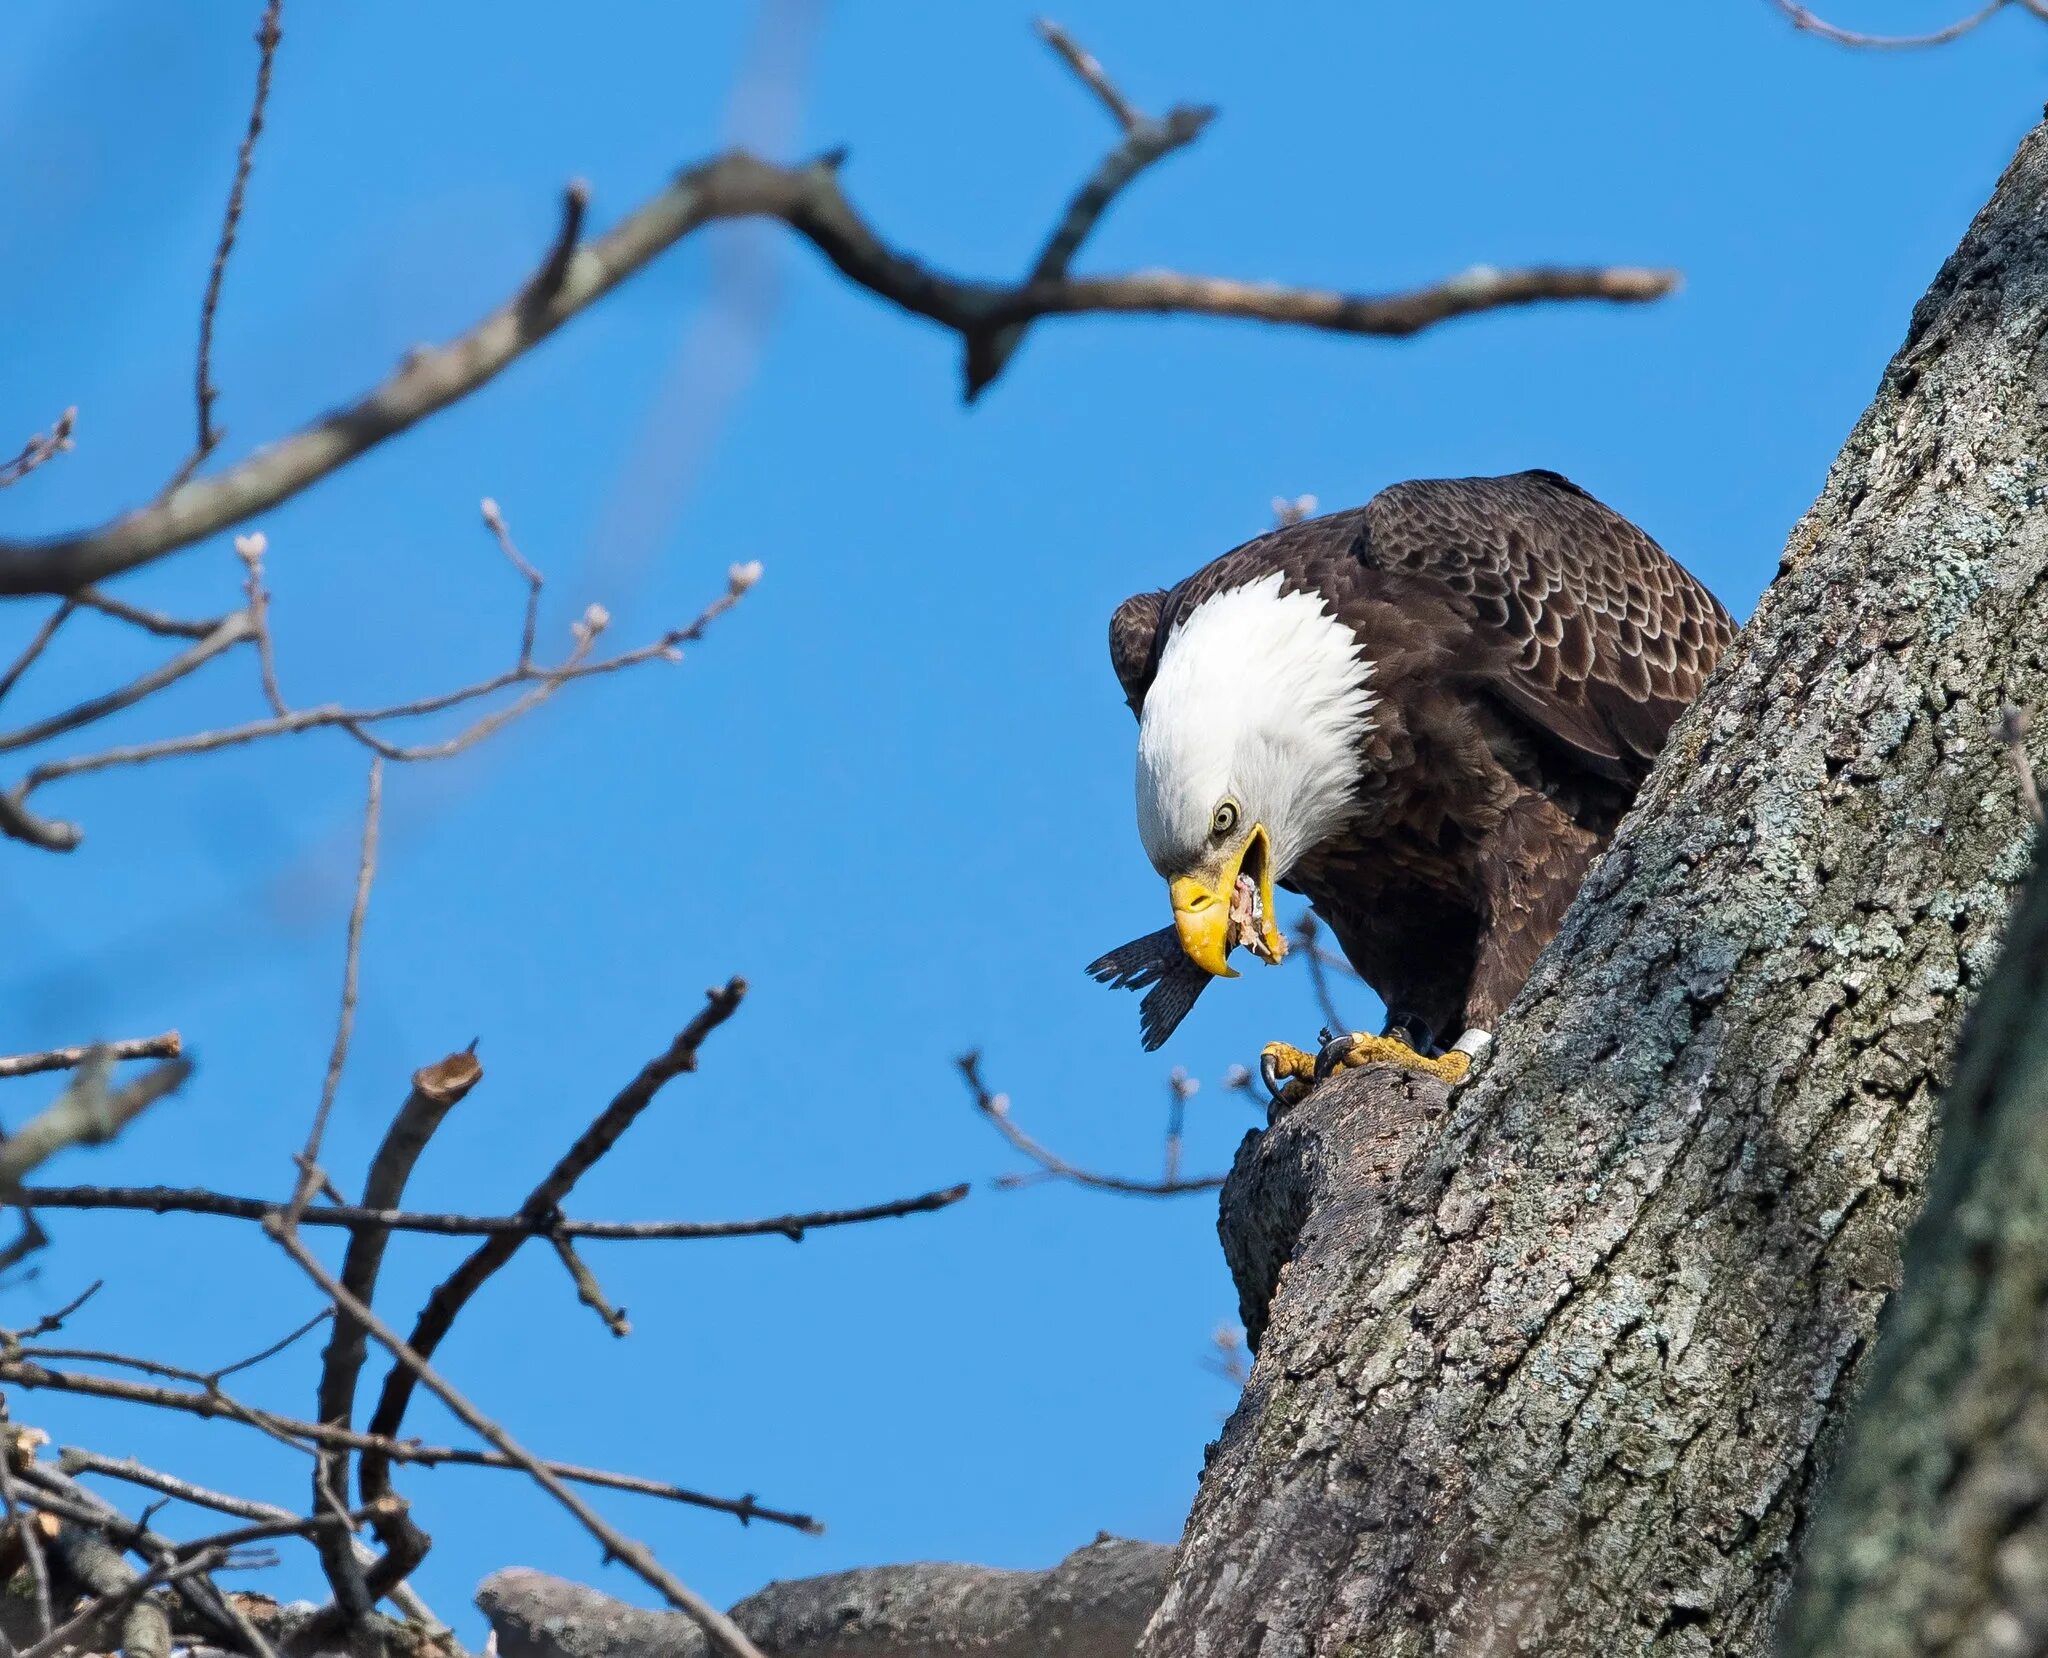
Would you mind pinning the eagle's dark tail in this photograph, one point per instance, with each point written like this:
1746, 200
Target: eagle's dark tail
1158, 961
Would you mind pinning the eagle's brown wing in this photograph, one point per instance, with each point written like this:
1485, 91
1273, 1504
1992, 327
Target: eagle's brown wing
1583, 625
1133, 627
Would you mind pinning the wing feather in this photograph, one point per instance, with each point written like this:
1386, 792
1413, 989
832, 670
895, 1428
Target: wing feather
1583, 625
1133, 629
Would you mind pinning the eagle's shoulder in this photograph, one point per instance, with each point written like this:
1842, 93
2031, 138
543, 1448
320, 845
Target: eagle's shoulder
1582, 624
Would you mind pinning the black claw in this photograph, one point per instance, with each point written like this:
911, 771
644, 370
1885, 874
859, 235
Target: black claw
1269, 1074
1334, 1051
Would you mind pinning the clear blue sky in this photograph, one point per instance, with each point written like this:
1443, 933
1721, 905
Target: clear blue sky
893, 789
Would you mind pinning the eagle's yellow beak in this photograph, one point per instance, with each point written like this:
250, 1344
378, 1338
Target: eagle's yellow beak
1201, 907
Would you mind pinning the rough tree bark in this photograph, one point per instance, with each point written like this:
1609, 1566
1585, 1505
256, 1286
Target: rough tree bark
1558, 1365
1934, 1537
1093, 1604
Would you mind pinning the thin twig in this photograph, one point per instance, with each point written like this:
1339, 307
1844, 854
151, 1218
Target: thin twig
1092, 74
351, 975
250, 550
494, 521
995, 1109
24, 1368
1805, 20
1312, 955
231, 632
74, 1460
161, 1200
40, 448
50, 1323
166, 1046
1144, 142
150, 621
588, 1290
56, 836
37, 645
720, 1632
268, 34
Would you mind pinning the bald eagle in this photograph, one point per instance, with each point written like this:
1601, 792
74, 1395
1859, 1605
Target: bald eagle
1426, 715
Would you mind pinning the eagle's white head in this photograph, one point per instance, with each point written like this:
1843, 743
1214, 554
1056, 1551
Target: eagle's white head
1247, 754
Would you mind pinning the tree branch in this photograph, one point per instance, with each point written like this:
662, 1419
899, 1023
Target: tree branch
39, 449
24, 1368
1806, 21
723, 1634
166, 1046
809, 200
268, 34
199, 1201
85, 1114
995, 1110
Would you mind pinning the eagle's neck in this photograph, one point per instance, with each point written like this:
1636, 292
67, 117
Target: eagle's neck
1261, 696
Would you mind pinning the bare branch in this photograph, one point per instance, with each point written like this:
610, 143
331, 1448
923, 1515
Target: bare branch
85, 1114
150, 621
809, 200
436, 1090
588, 1290
39, 643
1315, 957
360, 723
351, 974
24, 1368
1805, 20
39, 448
167, 1046
494, 521
268, 34
721, 1631
995, 1109
438, 1316
74, 1461
201, 1201
1092, 74
231, 632
1144, 142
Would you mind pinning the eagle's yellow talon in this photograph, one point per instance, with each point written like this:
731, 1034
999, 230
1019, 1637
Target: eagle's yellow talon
1287, 1072
1348, 1053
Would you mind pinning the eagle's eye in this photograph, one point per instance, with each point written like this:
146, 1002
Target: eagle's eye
1225, 819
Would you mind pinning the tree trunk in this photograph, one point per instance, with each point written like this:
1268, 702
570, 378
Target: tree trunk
1558, 1365
1934, 1537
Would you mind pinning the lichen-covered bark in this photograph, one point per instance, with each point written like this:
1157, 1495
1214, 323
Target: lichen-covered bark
1933, 1537
1567, 1378
1093, 1604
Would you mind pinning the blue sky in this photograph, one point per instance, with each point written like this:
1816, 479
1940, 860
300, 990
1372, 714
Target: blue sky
893, 788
